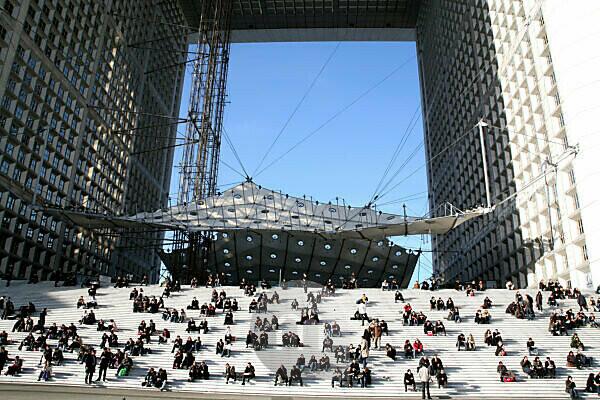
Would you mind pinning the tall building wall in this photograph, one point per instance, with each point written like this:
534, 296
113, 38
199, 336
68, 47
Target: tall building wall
573, 45
496, 61
76, 76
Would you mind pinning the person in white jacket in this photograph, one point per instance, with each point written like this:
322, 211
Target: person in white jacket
362, 312
424, 377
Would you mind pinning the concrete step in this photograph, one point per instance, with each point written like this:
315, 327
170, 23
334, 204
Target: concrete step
471, 374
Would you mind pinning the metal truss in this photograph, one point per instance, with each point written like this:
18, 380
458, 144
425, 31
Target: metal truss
200, 163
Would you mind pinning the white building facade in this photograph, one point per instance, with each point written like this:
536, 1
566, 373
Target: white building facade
529, 70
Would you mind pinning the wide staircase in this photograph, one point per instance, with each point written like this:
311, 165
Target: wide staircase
470, 374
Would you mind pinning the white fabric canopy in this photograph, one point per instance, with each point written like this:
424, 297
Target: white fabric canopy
249, 206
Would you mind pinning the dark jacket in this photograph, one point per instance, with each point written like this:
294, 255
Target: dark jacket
90, 362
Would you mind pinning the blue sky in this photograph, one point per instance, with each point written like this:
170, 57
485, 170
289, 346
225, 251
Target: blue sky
347, 156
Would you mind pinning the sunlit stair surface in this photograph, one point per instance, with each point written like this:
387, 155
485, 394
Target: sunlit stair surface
470, 373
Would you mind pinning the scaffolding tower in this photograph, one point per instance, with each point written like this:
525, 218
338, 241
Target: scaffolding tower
200, 162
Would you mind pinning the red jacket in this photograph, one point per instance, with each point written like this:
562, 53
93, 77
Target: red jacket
418, 346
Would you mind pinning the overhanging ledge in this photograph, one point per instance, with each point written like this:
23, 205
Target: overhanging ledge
323, 35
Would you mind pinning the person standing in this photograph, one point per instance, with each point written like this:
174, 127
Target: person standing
89, 360
105, 359
364, 355
3, 358
424, 377
582, 302
539, 300
377, 332
42, 319
8, 274
46, 371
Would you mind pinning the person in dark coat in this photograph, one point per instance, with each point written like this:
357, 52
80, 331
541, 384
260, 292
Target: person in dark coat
89, 360
249, 373
582, 302
3, 358
281, 375
105, 359
409, 380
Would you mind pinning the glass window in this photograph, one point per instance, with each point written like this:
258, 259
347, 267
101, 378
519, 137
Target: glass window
19, 112
4, 167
